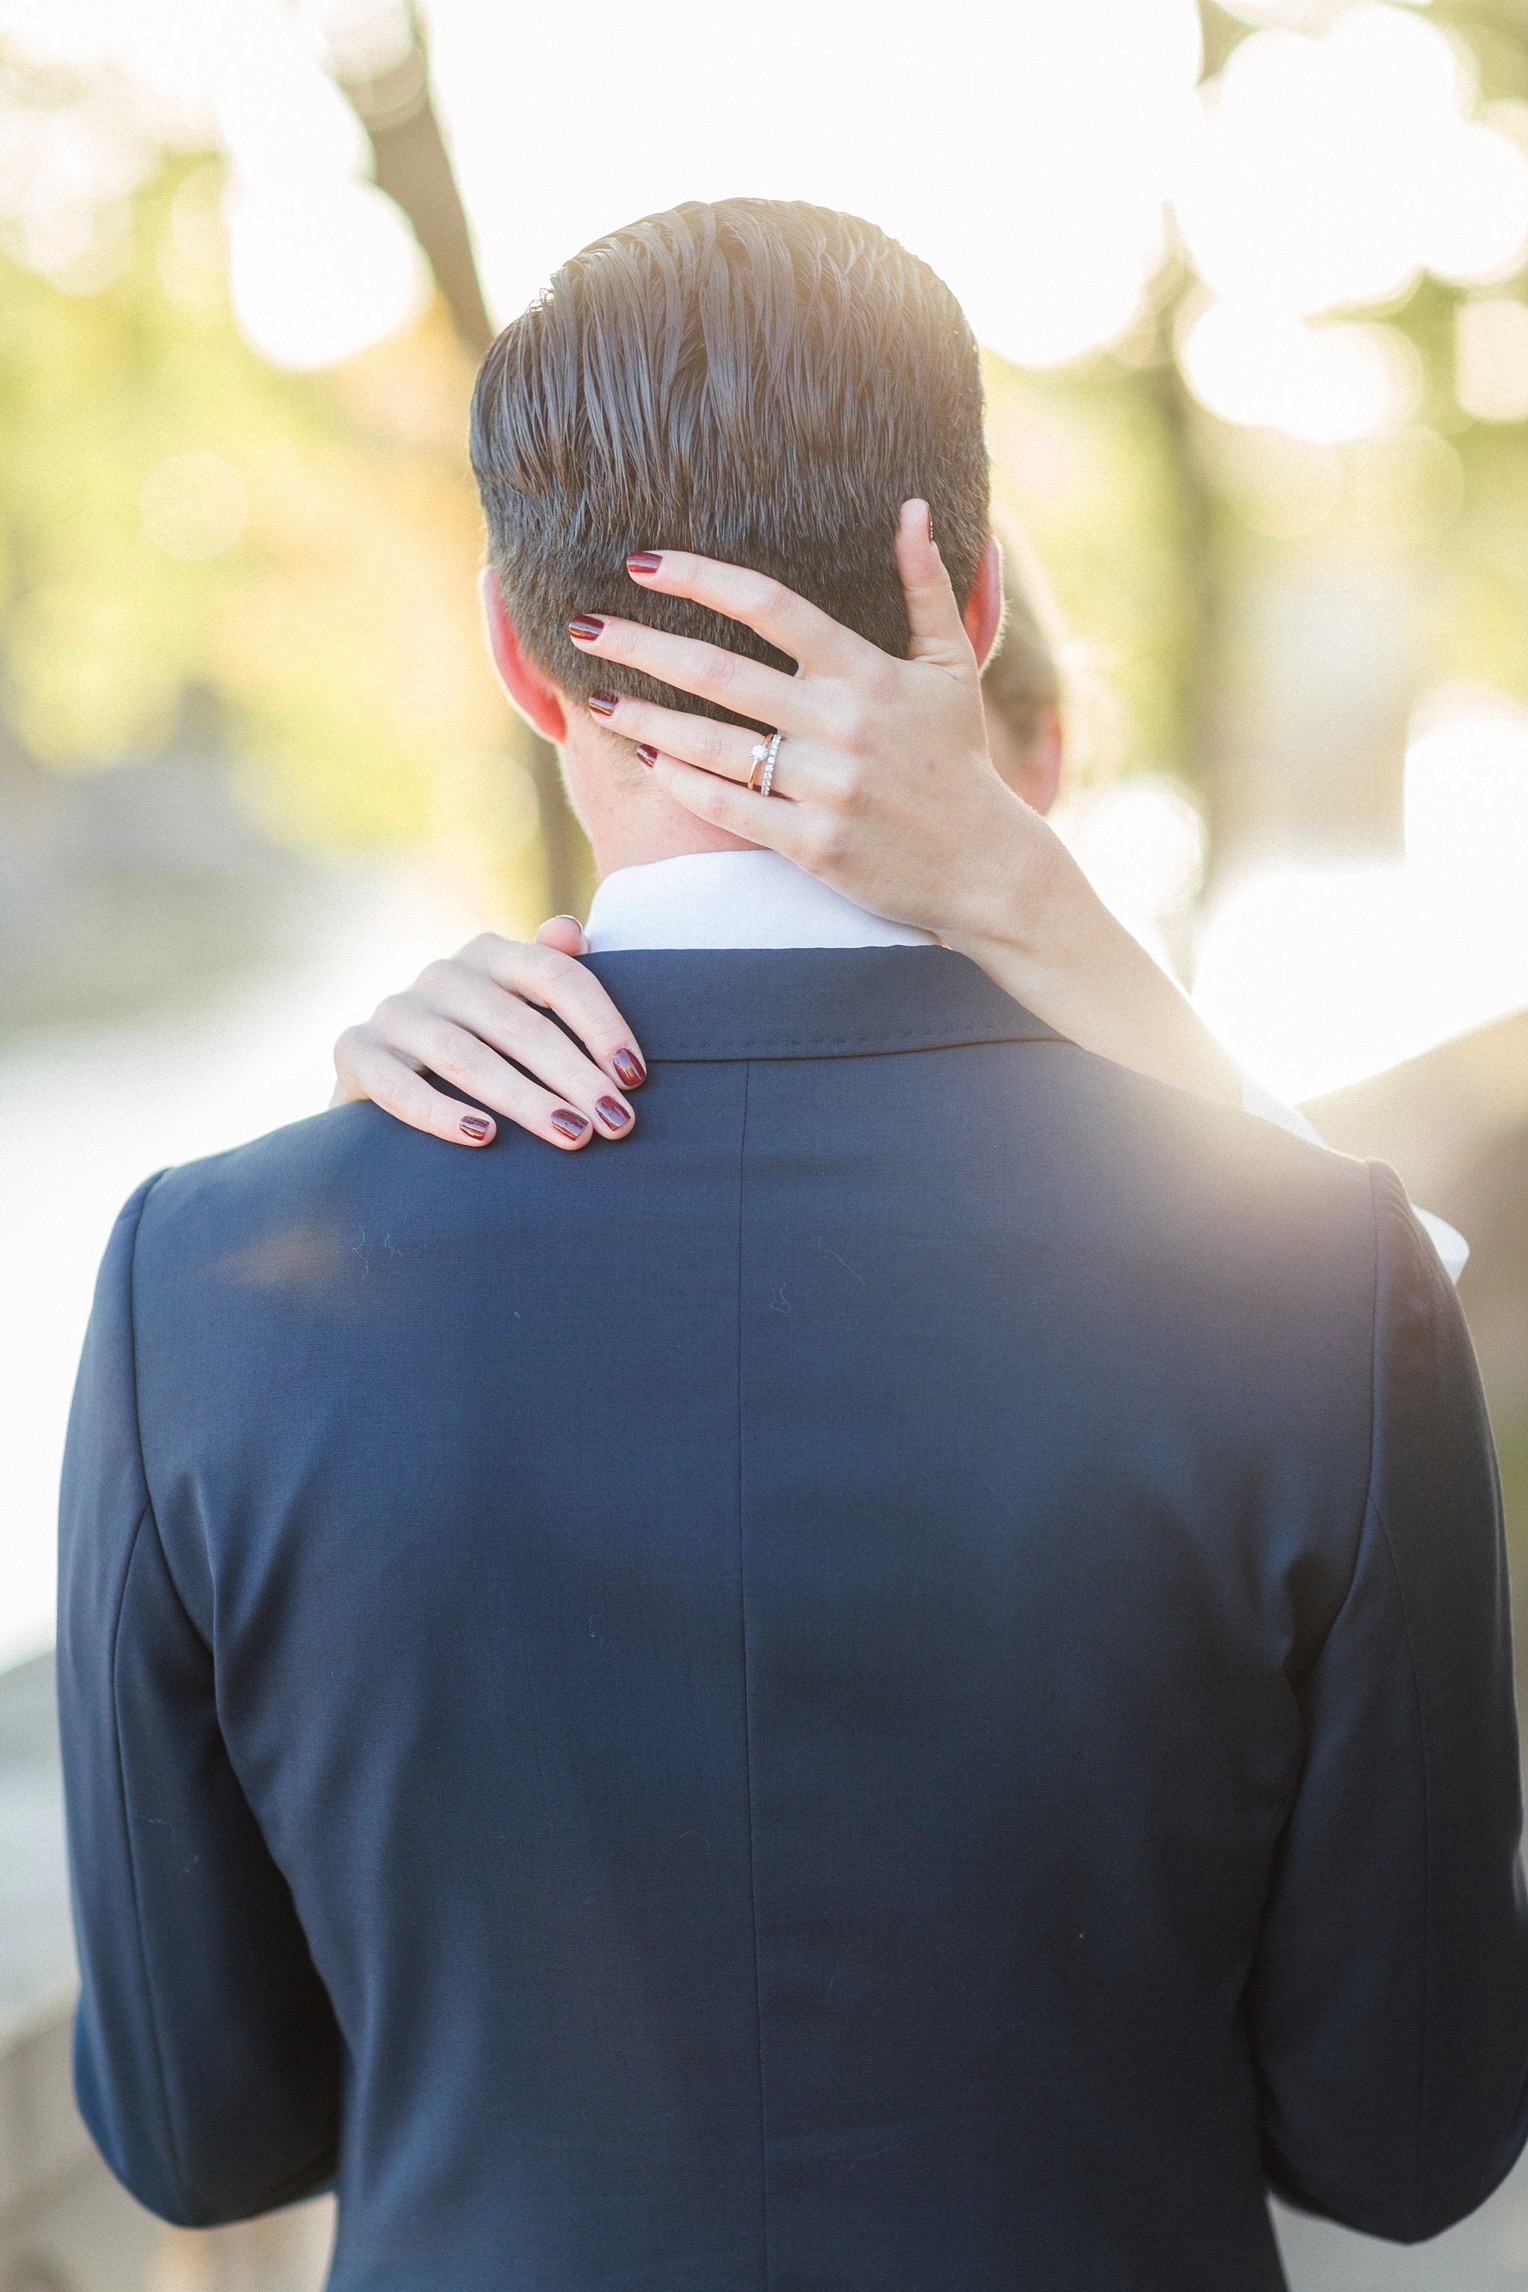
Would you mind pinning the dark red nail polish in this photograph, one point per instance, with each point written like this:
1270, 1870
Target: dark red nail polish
630, 1073
586, 625
646, 754
643, 561
474, 1126
604, 703
570, 1124
612, 1113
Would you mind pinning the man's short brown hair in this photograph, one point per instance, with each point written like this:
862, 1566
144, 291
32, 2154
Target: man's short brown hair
761, 381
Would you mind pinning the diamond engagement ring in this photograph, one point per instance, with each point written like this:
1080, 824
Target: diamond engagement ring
765, 754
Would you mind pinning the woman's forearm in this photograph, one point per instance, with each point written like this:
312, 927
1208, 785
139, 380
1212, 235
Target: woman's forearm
1038, 929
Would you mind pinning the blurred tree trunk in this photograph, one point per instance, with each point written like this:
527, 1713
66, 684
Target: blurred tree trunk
1206, 577
414, 168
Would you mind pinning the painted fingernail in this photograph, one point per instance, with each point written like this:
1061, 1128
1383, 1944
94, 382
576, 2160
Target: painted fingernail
630, 1073
644, 561
570, 1124
931, 525
474, 1126
646, 754
586, 626
612, 1113
604, 703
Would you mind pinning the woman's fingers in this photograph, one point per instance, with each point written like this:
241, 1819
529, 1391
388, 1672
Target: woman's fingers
539, 1100
545, 975
564, 933
368, 1069
822, 645
935, 628
758, 819
725, 749
466, 1018
747, 687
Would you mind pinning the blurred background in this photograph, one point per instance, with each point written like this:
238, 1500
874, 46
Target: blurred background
1253, 286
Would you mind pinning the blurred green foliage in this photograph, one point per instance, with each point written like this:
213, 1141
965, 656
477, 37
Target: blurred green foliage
1085, 466
337, 629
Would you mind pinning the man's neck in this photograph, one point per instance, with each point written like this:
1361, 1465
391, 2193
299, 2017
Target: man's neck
630, 821
639, 841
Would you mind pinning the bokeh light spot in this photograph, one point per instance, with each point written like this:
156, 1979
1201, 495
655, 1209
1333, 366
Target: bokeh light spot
1324, 382
1491, 358
1142, 845
320, 272
1317, 976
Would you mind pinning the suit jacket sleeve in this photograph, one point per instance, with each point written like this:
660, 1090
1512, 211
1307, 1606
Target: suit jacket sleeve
1389, 1999
206, 2054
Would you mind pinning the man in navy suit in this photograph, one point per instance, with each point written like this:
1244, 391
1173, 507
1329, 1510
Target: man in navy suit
902, 1684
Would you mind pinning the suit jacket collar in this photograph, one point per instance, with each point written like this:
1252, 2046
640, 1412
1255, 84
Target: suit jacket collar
792, 1003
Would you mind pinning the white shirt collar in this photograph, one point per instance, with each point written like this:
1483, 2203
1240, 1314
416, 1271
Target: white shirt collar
732, 899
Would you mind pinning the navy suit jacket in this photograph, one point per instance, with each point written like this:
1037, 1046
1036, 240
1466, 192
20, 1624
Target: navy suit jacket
901, 1682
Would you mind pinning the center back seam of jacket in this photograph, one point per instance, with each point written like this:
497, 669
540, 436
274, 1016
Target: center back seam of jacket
742, 1591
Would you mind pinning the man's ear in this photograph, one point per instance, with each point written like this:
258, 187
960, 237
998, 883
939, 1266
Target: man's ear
526, 687
983, 615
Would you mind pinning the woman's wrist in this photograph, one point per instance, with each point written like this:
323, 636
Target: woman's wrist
1027, 905
1007, 889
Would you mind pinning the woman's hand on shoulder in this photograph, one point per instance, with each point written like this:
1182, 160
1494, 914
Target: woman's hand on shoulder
483, 1022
